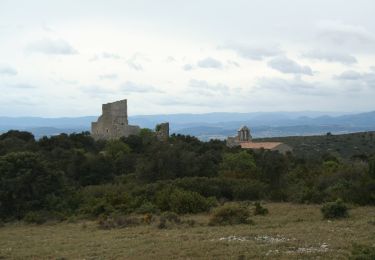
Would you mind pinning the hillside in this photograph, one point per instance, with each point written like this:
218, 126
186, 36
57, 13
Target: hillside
344, 145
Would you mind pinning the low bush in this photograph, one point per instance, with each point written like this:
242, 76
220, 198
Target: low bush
362, 252
259, 209
171, 217
40, 217
35, 217
118, 222
332, 210
230, 214
182, 201
147, 207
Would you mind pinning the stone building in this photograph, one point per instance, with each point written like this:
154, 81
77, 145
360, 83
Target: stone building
244, 140
113, 123
244, 134
162, 131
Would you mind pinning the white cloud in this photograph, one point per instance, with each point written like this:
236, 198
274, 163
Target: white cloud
209, 63
254, 52
346, 36
187, 67
108, 76
204, 88
55, 47
286, 65
131, 87
330, 56
291, 86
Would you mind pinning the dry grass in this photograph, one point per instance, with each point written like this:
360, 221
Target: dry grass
287, 232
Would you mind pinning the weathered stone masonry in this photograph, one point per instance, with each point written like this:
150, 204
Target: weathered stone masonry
113, 123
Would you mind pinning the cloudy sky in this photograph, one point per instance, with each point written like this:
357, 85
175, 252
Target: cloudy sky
67, 57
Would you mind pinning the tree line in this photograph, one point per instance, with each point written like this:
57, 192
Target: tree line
74, 175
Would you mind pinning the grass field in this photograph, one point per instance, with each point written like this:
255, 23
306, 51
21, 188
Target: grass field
288, 232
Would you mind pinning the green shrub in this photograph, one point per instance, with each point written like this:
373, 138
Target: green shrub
182, 201
248, 190
188, 202
230, 214
171, 217
335, 209
147, 207
361, 252
118, 222
35, 217
259, 210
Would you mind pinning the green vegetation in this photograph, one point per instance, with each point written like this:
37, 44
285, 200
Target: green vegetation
230, 214
335, 209
259, 209
67, 176
359, 146
361, 252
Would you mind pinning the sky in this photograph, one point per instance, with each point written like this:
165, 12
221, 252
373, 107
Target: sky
67, 57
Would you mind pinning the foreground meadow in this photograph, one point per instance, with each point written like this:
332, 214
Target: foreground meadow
289, 231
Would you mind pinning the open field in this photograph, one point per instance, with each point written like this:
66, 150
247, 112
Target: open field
289, 232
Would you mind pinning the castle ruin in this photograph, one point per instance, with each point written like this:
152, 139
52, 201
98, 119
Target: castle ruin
162, 131
113, 123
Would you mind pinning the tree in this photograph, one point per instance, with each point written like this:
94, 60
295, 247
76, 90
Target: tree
25, 183
116, 148
239, 165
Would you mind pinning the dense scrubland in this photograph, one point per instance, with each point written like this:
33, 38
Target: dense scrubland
142, 184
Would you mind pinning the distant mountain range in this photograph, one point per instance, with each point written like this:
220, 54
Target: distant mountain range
211, 125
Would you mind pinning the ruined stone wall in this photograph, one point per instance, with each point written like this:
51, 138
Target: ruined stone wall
113, 123
162, 131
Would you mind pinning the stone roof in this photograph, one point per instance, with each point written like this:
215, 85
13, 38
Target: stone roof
259, 145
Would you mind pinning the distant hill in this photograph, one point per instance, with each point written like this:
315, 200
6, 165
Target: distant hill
212, 125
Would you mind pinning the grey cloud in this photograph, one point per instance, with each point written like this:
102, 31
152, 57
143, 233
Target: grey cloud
346, 36
170, 59
286, 65
108, 76
340, 57
355, 78
134, 65
293, 86
254, 52
97, 90
131, 87
20, 86
187, 67
55, 47
107, 55
134, 61
349, 75
8, 71
210, 63
233, 63
204, 88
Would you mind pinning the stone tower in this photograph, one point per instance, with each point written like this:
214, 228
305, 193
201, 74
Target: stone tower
113, 123
162, 131
244, 134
